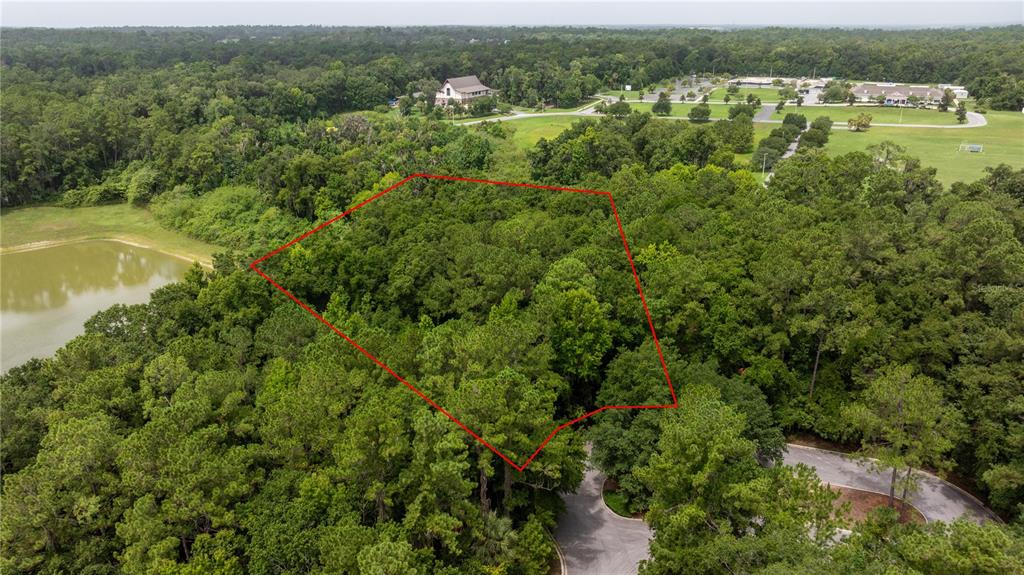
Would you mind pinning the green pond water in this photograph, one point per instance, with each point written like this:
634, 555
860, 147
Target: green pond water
49, 293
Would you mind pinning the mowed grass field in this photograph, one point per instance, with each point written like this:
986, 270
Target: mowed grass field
680, 110
554, 110
529, 130
767, 95
629, 95
1002, 138
21, 227
879, 114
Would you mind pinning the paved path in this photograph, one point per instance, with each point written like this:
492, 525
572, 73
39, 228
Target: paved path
593, 539
936, 499
764, 114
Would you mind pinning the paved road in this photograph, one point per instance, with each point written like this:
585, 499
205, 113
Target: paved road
593, 539
936, 499
974, 119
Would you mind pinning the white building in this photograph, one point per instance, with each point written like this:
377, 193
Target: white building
959, 91
895, 94
461, 90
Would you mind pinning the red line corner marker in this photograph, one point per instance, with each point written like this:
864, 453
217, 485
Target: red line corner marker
636, 278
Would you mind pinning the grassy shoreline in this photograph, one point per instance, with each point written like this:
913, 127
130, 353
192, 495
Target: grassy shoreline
37, 227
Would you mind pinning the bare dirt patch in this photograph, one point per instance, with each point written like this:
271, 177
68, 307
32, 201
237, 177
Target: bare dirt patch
862, 502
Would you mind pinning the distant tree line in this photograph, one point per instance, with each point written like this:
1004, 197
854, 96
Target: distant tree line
195, 105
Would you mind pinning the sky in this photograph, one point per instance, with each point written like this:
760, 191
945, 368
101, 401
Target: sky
721, 13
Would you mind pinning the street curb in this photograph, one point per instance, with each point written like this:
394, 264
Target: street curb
991, 514
609, 509
561, 558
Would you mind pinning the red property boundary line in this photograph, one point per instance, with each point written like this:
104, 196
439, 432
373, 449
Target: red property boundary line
636, 278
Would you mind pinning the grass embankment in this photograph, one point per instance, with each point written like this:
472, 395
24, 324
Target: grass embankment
41, 226
616, 503
1002, 138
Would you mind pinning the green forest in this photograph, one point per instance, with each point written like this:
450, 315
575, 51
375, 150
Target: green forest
221, 429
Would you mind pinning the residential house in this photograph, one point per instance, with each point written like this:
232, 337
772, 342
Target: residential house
461, 90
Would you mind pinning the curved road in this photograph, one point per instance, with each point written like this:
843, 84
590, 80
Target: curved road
595, 541
938, 500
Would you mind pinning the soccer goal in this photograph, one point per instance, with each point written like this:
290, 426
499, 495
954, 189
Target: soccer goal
974, 148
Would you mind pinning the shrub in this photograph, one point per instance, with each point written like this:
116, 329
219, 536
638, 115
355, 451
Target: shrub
813, 138
142, 186
798, 120
823, 123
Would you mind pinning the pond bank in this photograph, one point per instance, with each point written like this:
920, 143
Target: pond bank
37, 227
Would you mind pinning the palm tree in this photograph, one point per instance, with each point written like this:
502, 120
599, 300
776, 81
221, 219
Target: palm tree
498, 539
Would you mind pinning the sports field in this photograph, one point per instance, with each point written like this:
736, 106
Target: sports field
1002, 138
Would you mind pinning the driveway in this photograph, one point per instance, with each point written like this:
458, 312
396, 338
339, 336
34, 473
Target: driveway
935, 498
593, 539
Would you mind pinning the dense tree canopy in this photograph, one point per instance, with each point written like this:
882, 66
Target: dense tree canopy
219, 428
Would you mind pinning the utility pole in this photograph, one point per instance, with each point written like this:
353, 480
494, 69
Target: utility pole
764, 159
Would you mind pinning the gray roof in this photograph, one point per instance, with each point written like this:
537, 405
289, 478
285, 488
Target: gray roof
900, 90
467, 84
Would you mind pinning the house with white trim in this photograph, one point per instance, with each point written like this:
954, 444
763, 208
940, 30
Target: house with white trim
462, 90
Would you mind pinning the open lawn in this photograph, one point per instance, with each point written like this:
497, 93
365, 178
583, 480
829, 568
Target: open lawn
1002, 138
23, 228
720, 111
529, 130
554, 110
630, 95
767, 95
468, 119
880, 114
